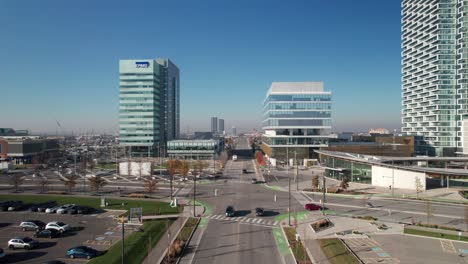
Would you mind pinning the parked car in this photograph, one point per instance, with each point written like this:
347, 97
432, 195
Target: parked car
312, 207
4, 205
82, 252
81, 210
16, 205
22, 242
2, 254
59, 226
52, 210
230, 212
259, 211
47, 233
43, 206
32, 225
65, 208
244, 171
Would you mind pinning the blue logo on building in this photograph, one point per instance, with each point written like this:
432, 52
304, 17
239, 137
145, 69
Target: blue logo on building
142, 64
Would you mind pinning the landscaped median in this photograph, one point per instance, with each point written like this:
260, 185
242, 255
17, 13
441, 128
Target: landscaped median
177, 248
299, 251
336, 252
435, 234
137, 245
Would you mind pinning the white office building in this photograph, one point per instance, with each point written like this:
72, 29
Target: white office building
435, 73
296, 119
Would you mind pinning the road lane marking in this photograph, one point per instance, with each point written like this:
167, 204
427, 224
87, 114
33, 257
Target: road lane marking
448, 247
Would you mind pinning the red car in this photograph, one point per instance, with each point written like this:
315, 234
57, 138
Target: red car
312, 207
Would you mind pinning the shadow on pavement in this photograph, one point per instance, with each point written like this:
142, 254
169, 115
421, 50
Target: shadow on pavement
5, 224
43, 245
270, 213
22, 256
243, 212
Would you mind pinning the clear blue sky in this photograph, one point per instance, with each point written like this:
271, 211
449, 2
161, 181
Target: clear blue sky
59, 59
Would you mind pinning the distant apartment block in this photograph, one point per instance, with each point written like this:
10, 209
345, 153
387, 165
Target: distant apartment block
149, 105
214, 125
435, 73
296, 119
221, 126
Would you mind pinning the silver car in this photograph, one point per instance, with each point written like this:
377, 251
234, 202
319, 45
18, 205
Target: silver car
22, 242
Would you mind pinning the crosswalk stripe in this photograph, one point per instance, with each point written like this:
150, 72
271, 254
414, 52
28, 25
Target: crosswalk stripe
257, 220
276, 222
249, 220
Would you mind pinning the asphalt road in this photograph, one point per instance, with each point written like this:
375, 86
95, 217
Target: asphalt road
234, 241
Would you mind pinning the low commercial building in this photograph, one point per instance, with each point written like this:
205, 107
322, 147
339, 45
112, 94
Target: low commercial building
396, 172
195, 149
24, 150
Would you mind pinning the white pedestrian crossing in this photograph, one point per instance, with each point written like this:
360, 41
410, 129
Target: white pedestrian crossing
245, 220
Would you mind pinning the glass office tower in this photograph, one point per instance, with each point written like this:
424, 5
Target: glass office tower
149, 105
435, 72
296, 119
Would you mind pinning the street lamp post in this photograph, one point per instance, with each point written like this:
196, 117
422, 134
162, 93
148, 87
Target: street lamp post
289, 186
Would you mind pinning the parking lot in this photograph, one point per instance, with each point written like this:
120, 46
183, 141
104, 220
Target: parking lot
99, 231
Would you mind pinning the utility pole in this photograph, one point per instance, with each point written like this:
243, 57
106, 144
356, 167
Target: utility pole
323, 201
297, 171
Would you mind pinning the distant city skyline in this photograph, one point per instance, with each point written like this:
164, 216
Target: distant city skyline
57, 66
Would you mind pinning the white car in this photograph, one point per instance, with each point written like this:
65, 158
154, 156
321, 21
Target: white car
22, 242
65, 208
52, 210
59, 226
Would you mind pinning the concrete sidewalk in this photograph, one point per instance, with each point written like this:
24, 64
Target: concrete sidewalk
158, 252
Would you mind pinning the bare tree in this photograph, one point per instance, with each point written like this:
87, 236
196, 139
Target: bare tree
16, 180
418, 186
429, 211
69, 181
315, 182
173, 166
96, 183
184, 167
223, 158
150, 184
43, 182
344, 183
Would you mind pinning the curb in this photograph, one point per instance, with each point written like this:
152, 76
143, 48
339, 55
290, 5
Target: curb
172, 241
350, 250
289, 245
188, 240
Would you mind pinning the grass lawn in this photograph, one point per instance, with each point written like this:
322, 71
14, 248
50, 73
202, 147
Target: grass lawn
149, 207
434, 234
336, 252
137, 245
296, 247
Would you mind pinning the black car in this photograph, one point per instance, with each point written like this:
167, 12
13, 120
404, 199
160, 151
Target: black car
4, 205
230, 212
47, 233
81, 210
244, 171
259, 211
43, 206
16, 205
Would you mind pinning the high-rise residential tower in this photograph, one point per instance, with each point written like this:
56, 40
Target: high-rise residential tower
149, 105
221, 126
214, 125
296, 119
435, 72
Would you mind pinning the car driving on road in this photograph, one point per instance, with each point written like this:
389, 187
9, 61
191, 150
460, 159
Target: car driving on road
312, 207
259, 211
230, 212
